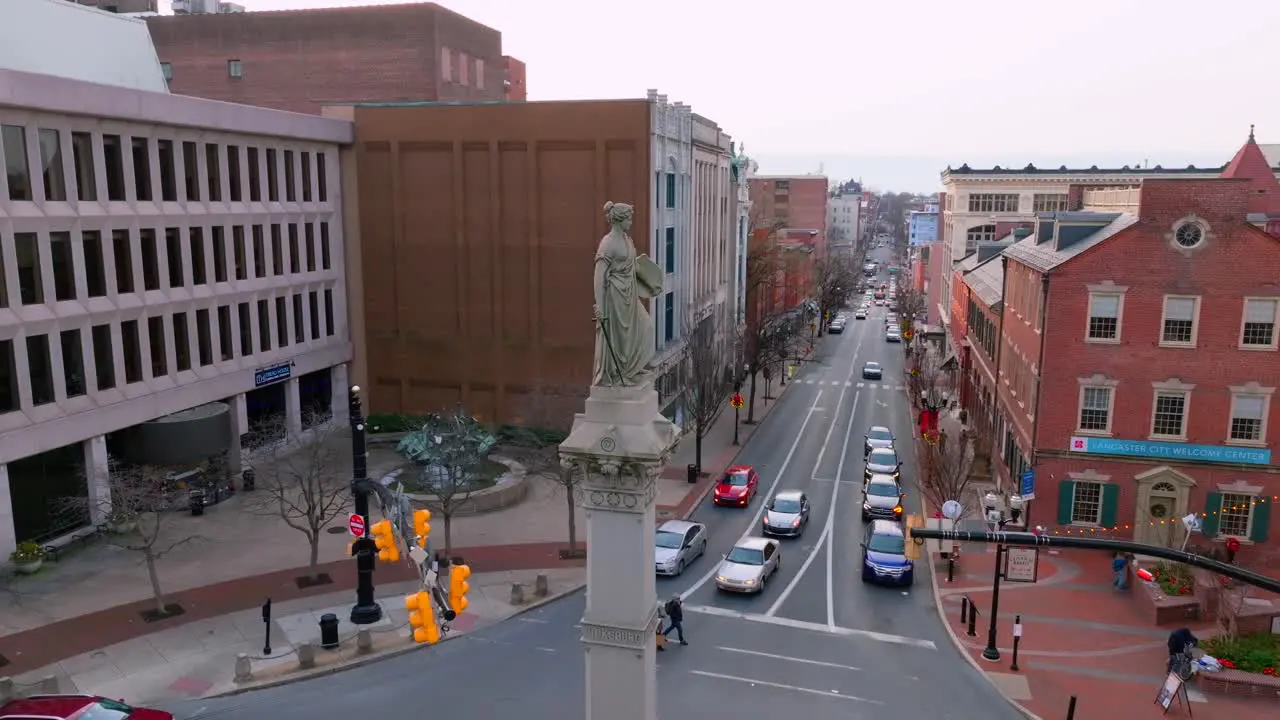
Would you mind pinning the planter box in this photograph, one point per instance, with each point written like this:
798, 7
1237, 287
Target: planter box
1240, 684
1165, 609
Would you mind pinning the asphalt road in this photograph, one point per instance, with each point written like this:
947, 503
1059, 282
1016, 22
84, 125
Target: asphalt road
816, 643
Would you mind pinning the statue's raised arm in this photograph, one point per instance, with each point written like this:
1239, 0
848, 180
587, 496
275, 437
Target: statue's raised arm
624, 330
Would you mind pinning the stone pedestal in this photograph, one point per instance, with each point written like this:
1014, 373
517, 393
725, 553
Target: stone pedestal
619, 446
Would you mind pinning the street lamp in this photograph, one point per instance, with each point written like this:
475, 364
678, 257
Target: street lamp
366, 611
991, 504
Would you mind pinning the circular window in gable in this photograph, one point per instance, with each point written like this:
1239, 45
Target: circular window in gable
1188, 235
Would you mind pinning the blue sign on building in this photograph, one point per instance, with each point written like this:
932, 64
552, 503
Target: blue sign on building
922, 228
1171, 451
272, 374
1028, 488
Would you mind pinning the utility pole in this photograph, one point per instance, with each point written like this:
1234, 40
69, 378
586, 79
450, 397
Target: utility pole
366, 611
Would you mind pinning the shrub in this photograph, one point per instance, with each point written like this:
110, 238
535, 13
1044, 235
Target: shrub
1256, 653
27, 552
1174, 578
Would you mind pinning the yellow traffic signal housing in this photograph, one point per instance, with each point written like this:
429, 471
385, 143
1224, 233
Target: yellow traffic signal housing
422, 527
422, 618
913, 543
384, 539
459, 587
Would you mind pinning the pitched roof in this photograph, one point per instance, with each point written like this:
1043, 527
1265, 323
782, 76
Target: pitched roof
1045, 256
1250, 163
987, 281
967, 263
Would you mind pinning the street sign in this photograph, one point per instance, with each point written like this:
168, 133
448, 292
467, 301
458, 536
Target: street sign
355, 524
951, 510
736, 400
1028, 489
1021, 564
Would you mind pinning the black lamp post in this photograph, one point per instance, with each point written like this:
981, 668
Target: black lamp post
366, 611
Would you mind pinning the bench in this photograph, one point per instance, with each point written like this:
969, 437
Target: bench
77, 538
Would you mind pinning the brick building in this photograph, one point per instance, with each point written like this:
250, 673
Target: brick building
1136, 357
300, 60
793, 201
478, 227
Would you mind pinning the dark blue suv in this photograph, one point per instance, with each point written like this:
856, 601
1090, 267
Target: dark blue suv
884, 554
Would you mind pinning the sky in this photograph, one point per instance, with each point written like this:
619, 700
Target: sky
892, 93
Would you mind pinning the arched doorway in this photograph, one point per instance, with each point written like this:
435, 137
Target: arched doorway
1162, 501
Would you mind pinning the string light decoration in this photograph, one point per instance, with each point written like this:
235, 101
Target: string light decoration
1169, 521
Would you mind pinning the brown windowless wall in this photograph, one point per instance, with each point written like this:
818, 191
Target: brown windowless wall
477, 229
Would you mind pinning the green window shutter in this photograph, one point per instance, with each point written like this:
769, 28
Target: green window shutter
1261, 519
1110, 502
1066, 494
1212, 506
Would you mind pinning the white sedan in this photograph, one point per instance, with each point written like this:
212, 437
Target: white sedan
749, 565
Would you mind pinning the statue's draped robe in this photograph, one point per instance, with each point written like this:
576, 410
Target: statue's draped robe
624, 337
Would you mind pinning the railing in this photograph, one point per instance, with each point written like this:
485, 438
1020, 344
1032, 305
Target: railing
1111, 199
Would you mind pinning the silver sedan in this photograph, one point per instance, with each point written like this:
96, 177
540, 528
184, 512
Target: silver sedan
677, 544
749, 565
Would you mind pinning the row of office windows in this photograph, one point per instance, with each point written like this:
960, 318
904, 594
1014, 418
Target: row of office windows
186, 257
1180, 321
249, 170
198, 338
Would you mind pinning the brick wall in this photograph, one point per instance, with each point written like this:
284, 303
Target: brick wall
517, 89
302, 60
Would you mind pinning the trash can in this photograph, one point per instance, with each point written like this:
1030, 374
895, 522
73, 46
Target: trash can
693, 473
197, 502
248, 479
328, 631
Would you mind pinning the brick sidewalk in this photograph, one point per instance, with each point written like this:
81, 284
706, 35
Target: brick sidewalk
1081, 638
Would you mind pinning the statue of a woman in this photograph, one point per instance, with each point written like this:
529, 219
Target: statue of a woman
624, 330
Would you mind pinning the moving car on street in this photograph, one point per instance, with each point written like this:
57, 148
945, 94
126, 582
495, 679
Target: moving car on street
872, 371
836, 327
787, 515
860, 314
677, 544
76, 707
893, 335
882, 499
738, 487
749, 565
878, 436
882, 461
884, 554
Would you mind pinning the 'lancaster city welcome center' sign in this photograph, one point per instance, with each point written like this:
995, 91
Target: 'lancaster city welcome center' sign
1171, 451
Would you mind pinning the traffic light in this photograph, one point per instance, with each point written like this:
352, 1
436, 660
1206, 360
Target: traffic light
459, 587
384, 538
422, 527
422, 618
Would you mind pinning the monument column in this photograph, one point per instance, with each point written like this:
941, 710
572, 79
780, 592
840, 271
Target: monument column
620, 445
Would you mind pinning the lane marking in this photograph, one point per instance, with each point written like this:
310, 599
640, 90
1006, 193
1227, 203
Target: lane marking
788, 658
755, 521
813, 627
533, 620
835, 487
831, 519
783, 686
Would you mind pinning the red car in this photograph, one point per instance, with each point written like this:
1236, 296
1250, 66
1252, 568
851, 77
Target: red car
76, 707
738, 486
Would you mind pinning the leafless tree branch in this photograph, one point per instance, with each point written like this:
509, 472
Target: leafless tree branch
706, 388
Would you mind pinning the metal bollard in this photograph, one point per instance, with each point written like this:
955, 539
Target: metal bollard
973, 619
1071, 708
540, 586
364, 640
951, 567
964, 609
7, 691
517, 594
1017, 639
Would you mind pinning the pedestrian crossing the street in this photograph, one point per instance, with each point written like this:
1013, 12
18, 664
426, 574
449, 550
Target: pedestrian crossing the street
850, 383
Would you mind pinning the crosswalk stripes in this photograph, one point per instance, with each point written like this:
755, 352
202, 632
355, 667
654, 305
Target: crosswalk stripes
850, 383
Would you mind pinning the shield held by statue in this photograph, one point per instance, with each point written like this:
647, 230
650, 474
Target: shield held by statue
648, 277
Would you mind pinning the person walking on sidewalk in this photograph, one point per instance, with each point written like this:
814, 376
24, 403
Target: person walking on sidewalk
1119, 568
675, 613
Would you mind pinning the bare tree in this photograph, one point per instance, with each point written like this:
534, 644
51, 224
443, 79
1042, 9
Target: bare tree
911, 305
770, 332
541, 458
835, 279
705, 388
945, 469
142, 503
306, 485
450, 452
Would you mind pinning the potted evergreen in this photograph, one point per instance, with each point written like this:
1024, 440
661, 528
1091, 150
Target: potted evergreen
120, 522
28, 558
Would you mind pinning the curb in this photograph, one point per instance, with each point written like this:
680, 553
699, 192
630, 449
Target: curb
964, 651
368, 659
